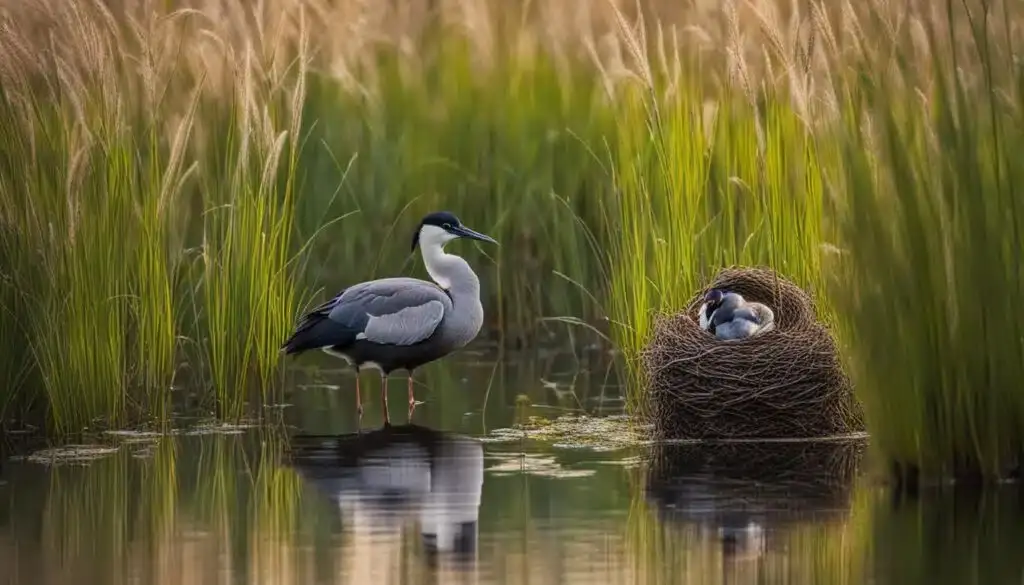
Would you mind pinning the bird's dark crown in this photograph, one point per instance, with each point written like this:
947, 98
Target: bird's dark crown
442, 219
713, 299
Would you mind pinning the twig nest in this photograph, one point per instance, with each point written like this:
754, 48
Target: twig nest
784, 383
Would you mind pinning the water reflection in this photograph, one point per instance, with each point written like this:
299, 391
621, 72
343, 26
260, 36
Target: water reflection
744, 512
742, 485
949, 536
384, 481
420, 504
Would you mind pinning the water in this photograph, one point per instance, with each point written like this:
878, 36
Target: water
462, 497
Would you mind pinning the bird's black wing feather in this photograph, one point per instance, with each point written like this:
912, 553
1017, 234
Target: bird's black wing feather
398, 311
309, 330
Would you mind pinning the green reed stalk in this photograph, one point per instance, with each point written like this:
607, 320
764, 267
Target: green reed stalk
249, 279
88, 193
158, 264
933, 229
81, 316
704, 186
662, 178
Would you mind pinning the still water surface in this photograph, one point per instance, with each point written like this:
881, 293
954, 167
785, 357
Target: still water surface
462, 496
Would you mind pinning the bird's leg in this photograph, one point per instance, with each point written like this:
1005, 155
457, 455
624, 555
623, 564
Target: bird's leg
384, 397
359, 403
412, 398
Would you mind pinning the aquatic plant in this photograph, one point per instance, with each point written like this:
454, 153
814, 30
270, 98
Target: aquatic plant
89, 191
506, 146
705, 179
932, 213
249, 276
173, 217
175, 185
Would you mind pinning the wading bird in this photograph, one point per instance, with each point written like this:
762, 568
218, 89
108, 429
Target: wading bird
727, 315
401, 323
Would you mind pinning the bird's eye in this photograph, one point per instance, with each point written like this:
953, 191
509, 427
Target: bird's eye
447, 226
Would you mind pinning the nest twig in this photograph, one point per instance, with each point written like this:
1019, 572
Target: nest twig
785, 383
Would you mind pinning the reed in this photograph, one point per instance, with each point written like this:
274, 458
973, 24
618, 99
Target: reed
705, 180
88, 194
205, 183
248, 272
174, 186
931, 223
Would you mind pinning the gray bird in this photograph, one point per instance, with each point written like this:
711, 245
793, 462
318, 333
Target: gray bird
401, 323
729, 316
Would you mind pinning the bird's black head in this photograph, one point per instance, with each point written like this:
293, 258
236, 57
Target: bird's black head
713, 299
446, 221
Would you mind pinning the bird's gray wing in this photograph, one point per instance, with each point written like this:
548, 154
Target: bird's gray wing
405, 327
719, 316
747, 313
731, 307
394, 311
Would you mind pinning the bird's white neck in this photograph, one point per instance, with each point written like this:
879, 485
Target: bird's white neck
449, 271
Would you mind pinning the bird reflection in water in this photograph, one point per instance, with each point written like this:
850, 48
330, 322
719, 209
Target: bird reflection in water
385, 480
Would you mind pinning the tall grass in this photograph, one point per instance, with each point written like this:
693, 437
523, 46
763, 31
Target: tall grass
933, 196
104, 178
202, 178
249, 277
88, 197
178, 186
706, 180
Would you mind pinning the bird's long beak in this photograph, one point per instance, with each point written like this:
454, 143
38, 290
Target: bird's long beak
465, 232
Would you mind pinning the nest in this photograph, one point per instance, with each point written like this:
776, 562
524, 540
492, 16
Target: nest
785, 383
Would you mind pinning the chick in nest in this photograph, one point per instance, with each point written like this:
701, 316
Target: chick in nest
727, 315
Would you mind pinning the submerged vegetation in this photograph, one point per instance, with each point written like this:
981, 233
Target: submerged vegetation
176, 186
